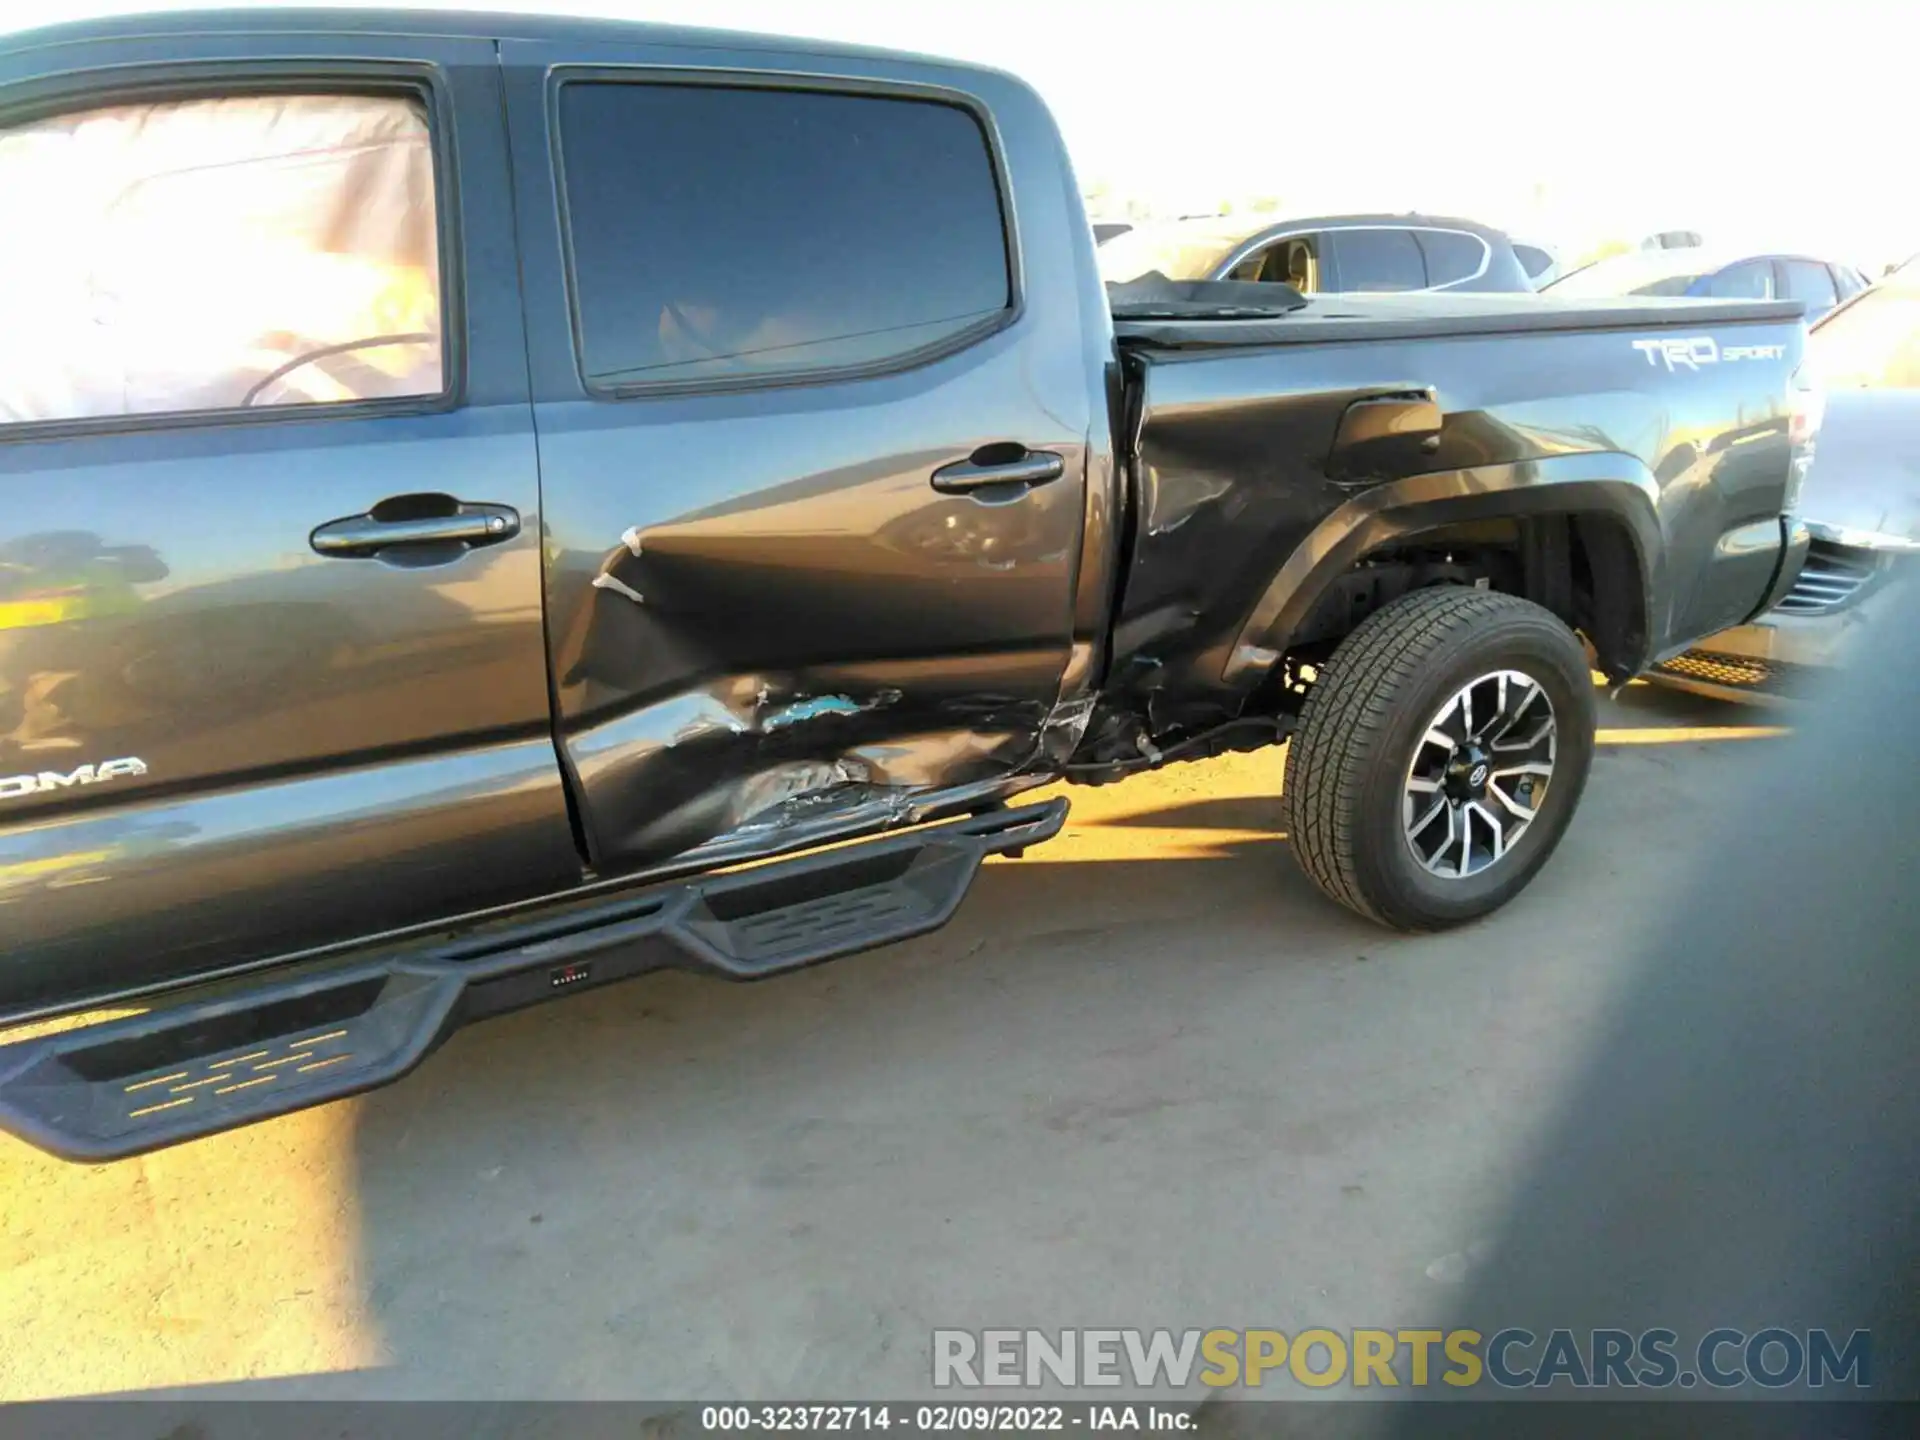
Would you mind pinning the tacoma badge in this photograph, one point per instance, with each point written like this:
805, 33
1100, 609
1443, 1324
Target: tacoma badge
18, 787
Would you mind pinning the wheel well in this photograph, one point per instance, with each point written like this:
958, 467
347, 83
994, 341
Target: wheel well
1584, 567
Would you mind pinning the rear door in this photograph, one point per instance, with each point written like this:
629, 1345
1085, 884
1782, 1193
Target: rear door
272, 672
813, 433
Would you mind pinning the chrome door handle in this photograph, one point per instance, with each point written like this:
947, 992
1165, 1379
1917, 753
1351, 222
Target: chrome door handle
1034, 467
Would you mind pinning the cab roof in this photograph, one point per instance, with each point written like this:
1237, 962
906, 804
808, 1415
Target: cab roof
452, 24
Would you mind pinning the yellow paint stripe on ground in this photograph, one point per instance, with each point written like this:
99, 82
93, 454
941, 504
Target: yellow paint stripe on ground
1687, 734
25, 614
50, 865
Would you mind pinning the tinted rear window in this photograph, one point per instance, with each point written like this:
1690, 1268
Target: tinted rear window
1452, 256
723, 233
1377, 260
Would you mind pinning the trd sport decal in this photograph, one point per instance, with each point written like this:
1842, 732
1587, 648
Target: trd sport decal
1700, 350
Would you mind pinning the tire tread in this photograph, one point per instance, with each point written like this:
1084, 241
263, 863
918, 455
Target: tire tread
1353, 698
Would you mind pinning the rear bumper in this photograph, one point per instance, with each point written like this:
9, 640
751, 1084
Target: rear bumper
220, 1057
1796, 540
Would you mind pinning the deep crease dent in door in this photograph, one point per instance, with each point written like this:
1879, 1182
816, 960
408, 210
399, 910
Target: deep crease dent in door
776, 612
873, 713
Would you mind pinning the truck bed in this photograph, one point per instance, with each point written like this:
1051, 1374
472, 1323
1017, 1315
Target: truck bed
1238, 458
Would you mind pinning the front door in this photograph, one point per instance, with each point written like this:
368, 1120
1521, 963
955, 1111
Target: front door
812, 452
270, 610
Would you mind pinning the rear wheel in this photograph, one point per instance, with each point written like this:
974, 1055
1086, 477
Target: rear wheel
1440, 755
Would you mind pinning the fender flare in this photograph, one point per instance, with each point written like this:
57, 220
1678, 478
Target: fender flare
1609, 483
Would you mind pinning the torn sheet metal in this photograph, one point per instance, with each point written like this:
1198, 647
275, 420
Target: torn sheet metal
787, 794
1171, 498
752, 755
1065, 724
851, 812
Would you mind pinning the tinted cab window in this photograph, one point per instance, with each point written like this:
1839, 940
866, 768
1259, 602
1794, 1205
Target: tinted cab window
1378, 260
241, 252
849, 231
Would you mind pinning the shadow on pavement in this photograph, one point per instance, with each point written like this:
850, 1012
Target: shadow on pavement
1122, 1087
1683, 707
802, 1153
1260, 813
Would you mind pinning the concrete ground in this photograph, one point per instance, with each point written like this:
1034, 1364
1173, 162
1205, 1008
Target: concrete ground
1148, 1077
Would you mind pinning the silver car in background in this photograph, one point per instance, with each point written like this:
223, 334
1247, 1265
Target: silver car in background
1861, 502
1330, 254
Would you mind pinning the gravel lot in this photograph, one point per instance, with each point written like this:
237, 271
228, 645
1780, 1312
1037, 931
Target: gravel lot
1148, 1077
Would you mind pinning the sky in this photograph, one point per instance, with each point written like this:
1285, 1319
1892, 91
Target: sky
1766, 124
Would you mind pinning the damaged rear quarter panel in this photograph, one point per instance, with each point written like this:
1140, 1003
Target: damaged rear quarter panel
1231, 478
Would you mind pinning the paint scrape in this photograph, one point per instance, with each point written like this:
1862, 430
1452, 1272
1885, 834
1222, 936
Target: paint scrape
820, 707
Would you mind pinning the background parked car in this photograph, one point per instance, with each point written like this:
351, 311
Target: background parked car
1323, 255
1541, 263
1820, 284
1862, 500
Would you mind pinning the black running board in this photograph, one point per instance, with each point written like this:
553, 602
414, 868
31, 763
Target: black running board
218, 1059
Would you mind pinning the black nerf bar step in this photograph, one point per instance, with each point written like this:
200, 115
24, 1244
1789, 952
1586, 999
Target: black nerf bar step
219, 1058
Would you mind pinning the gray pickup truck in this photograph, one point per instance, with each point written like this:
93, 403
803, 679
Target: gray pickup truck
496, 506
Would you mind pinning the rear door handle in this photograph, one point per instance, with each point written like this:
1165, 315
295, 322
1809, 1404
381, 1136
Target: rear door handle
416, 520
983, 469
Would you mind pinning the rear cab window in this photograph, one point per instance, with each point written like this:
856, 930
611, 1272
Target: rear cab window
725, 234
219, 254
